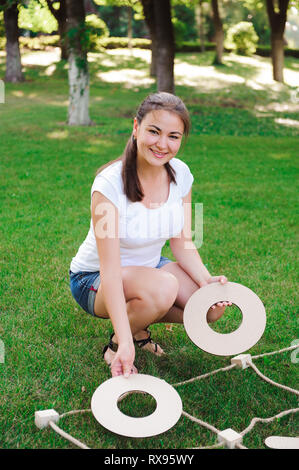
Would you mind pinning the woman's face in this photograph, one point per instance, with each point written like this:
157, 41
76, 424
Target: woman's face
159, 136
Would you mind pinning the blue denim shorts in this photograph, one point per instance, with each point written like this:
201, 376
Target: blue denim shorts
84, 286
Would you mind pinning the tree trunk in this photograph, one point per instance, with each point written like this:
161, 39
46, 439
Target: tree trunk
90, 7
149, 15
78, 113
165, 46
219, 35
130, 27
60, 15
13, 71
199, 21
62, 31
277, 54
201, 27
277, 21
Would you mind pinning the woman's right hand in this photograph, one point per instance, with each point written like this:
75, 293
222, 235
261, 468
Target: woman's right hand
123, 362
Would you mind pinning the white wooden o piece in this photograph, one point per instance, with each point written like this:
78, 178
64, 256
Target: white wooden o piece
106, 412
280, 442
243, 338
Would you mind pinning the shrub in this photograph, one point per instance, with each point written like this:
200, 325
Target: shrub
97, 29
116, 43
39, 43
242, 38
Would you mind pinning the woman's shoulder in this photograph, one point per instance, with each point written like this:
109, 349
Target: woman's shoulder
179, 165
111, 174
114, 169
109, 182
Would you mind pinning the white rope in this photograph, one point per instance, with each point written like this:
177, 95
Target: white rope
202, 423
267, 420
67, 436
68, 413
214, 446
275, 352
289, 389
240, 446
205, 375
197, 420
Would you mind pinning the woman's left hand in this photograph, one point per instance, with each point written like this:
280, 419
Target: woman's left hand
223, 280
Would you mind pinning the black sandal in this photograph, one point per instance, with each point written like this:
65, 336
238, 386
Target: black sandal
111, 345
142, 342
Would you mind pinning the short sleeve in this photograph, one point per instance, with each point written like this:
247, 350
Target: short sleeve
187, 181
107, 188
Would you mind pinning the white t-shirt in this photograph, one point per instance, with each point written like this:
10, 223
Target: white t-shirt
142, 231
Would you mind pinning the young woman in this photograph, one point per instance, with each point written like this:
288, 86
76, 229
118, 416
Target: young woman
139, 201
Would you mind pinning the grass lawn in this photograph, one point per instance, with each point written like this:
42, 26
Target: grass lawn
242, 152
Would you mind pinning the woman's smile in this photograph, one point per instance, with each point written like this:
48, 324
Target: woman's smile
159, 154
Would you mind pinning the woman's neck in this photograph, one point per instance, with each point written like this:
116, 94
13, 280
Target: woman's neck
147, 172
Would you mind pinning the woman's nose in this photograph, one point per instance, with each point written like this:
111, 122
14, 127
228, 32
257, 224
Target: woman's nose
161, 142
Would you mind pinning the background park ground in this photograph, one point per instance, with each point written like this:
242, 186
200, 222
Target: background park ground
242, 151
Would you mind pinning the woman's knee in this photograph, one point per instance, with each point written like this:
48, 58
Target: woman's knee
164, 291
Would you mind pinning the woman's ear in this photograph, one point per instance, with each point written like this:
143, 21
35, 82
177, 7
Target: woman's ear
135, 128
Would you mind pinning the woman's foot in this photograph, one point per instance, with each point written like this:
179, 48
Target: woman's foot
109, 352
143, 340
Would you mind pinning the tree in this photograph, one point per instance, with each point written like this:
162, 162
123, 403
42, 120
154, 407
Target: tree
158, 18
13, 71
277, 20
35, 17
78, 113
219, 35
60, 15
149, 15
199, 18
165, 46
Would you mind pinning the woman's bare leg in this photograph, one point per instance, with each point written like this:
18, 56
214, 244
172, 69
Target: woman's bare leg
149, 293
187, 287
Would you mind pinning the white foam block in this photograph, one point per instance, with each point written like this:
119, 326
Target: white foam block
247, 335
42, 418
106, 412
229, 437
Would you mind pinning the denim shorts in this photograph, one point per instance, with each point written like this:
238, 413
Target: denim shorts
84, 286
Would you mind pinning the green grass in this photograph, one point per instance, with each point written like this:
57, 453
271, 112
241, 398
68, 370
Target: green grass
245, 169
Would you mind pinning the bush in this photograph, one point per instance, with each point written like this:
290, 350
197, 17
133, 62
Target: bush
39, 43
242, 38
116, 43
194, 46
97, 29
265, 51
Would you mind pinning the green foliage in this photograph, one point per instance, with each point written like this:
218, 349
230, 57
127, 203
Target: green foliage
39, 43
194, 46
265, 51
96, 26
180, 30
2, 32
119, 43
242, 38
96, 29
36, 17
244, 169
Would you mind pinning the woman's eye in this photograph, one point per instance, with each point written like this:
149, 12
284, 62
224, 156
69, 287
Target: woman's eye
153, 132
174, 137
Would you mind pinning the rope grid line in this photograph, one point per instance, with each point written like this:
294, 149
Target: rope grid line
197, 420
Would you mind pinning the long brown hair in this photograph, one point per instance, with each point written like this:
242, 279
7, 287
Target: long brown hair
155, 101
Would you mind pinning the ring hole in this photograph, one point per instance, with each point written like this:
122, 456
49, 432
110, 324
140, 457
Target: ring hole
229, 321
137, 404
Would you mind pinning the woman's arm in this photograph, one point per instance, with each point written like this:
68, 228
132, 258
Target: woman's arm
185, 251
105, 222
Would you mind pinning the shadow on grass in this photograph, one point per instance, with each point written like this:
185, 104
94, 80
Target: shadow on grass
223, 111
